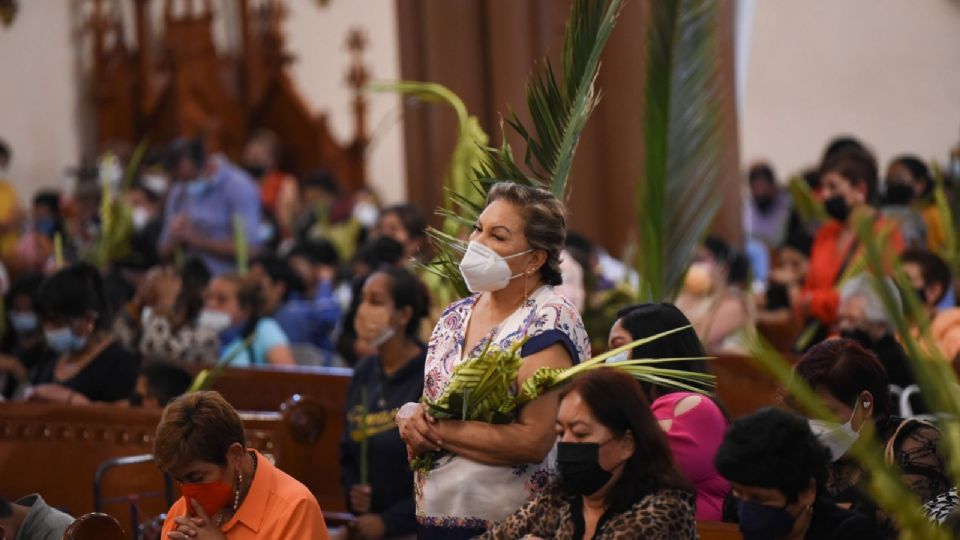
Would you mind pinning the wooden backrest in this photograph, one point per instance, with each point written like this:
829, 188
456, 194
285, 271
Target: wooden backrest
742, 385
266, 388
55, 449
316, 420
715, 530
94, 526
781, 335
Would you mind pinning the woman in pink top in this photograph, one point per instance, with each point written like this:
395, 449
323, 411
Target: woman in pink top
694, 423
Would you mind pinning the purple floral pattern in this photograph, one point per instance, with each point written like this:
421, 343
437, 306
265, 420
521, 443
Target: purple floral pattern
459, 493
542, 311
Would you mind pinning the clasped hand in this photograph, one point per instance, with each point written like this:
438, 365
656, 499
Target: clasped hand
419, 432
197, 527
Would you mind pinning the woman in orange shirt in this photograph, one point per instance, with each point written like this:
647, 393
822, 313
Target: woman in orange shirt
229, 491
849, 186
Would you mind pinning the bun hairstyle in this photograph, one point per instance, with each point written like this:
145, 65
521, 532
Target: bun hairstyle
544, 222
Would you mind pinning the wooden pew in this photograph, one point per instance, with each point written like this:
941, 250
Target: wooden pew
742, 385
715, 530
324, 394
55, 449
94, 526
266, 388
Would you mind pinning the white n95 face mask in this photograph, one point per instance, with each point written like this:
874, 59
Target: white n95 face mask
619, 357
485, 270
838, 438
214, 320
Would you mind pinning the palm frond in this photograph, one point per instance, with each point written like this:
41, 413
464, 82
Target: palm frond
676, 198
808, 207
559, 109
482, 387
884, 485
470, 150
204, 380
240, 244
951, 248
933, 372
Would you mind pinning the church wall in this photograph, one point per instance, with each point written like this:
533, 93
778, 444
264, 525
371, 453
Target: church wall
883, 70
45, 111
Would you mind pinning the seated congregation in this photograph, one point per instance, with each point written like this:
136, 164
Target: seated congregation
324, 387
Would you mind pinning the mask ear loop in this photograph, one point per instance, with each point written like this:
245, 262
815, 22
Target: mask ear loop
526, 277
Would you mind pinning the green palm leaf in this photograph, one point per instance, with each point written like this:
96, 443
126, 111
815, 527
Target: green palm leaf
470, 150
482, 387
951, 248
559, 109
809, 208
676, 200
934, 375
933, 372
885, 485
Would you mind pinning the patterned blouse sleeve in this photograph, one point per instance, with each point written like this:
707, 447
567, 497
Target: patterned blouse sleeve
557, 321
917, 452
159, 342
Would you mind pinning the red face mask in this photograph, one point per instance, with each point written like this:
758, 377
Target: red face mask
212, 496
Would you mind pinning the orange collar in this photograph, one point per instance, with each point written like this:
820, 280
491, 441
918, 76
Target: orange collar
254, 506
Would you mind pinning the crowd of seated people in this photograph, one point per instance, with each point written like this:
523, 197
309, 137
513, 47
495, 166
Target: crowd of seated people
332, 279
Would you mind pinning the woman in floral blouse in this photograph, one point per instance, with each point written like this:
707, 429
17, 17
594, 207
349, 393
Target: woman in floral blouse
512, 264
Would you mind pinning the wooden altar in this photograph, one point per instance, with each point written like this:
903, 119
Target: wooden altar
172, 81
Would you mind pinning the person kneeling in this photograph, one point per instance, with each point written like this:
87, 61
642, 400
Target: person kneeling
229, 491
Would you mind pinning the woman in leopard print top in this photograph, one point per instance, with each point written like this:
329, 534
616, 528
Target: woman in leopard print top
617, 478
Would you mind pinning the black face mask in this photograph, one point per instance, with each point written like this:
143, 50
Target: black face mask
898, 194
256, 171
921, 294
579, 466
884, 347
764, 204
837, 208
860, 336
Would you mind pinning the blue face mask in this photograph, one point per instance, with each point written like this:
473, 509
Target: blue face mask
23, 322
197, 187
63, 340
762, 522
45, 226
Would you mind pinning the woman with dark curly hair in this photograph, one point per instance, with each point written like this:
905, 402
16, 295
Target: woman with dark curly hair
778, 471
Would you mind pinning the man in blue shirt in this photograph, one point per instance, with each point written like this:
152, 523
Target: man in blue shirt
208, 194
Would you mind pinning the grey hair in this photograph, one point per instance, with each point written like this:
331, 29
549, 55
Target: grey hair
544, 222
865, 286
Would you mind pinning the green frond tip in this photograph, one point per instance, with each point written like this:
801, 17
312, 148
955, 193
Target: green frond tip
676, 194
885, 485
950, 251
559, 109
809, 208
